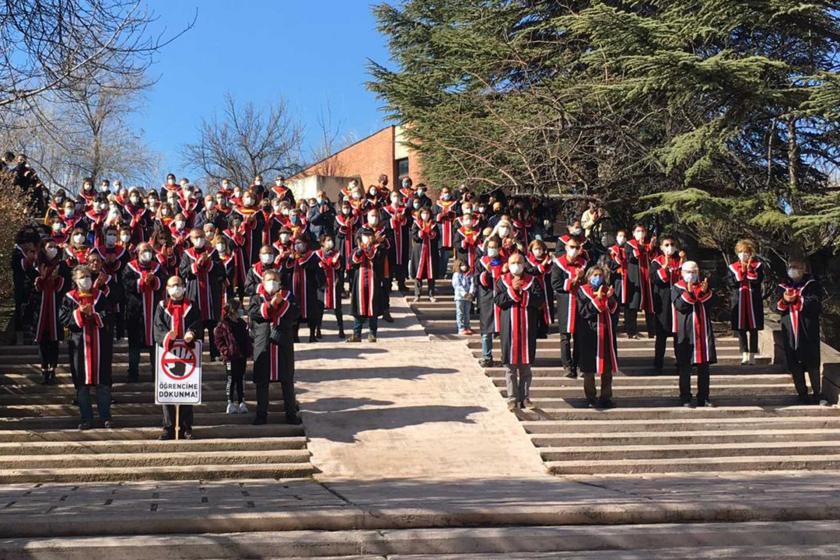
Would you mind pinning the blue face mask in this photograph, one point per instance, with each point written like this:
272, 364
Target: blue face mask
596, 281
295, 219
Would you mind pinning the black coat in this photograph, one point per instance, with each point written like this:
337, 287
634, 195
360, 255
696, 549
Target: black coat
164, 324
425, 250
520, 313
639, 287
205, 283
694, 323
143, 287
664, 274
563, 275
48, 296
254, 277
745, 298
306, 282
489, 273
595, 333
801, 323
368, 297
93, 341
272, 331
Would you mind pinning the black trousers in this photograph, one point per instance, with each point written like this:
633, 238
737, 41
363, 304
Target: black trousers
589, 388
748, 341
568, 353
208, 325
443, 261
235, 370
659, 347
684, 365
631, 322
287, 385
185, 418
135, 348
48, 352
386, 290
418, 287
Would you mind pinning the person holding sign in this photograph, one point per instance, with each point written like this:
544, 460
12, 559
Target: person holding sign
274, 312
176, 318
84, 312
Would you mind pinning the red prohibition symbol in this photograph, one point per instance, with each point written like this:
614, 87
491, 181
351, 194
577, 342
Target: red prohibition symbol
179, 361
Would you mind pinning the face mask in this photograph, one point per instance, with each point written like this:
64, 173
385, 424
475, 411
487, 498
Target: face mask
575, 231
320, 200
146, 257
247, 201
266, 258
596, 281
419, 192
503, 231
744, 257
237, 193
365, 239
170, 181
356, 196
492, 252
482, 209
210, 204
220, 247
669, 250
271, 286
466, 221
538, 253
395, 200
416, 205
69, 212
373, 220
199, 242
446, 196
51, 252
175, 292
180, 225
464, 268
110, 240
104, 189
571, 253
294, 220
135, 200
328, 245
125, 238
638, 235
88, 187
372, 191
284, 237
425, 217
85, 284
78, 239
620, 239
516, 269
345, 211
795, 274
56, 227
300, 247
467, 211
690, 277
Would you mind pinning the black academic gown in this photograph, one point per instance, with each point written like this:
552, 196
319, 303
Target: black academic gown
664, 273
595, 332
801, 323
143, 287
520, 314
563, 274
368, 297
694, 323
745, 298
306, 282
93, 347
205, 283
272, 331
425, 250
489, 273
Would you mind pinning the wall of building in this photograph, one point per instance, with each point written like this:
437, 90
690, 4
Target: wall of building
368, 158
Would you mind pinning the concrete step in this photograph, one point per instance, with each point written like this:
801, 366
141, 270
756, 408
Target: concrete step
591, 428
541, 392
103, 473
721, 399
546, 358
208, 394
131, 420
647, 371
740, 462
277, 432
733, 436
13, 412
100, 447
616, 542
674, 413
626, 381
690, 450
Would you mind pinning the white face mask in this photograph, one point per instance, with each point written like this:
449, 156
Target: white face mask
271, 286
638, 235
446, 196
516, 269
104, 189
345, 211
51, 252
492, 252
690, 277
503, 231
175, 292
110, 240
571, 253
372, 191
220, 247
425, 217
125, 238
265, 258
85, 284
284, 237
135, 200
146, 257
210, 204
538, 253
575, 231
395, 201
328, 245
78, 239
247, 201
69, 212
795, 274
356, 196
669, 250
373, 220
180, 225
199, 242
620, 239
56, 227
466, 221
744, 257
300, 247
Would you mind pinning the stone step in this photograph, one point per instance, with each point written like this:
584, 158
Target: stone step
23, 411
624, 343
277, 432
176, 472
647, 371
592, 428
101, 447
542, 394
64, 392
131, 420
719, 397
672, 413
690, 450
733, 435
720, 380
741, 462
794, 539
551, 358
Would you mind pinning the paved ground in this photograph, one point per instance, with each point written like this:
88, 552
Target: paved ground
407, 407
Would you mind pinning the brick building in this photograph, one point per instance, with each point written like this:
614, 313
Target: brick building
383, 151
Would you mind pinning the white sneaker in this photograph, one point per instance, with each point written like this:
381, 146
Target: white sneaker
752, 359
231, 408
745, 358
242, 408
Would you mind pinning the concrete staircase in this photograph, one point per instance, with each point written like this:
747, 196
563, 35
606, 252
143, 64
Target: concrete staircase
757, 423
40, 442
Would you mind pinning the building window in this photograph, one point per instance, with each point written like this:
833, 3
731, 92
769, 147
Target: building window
402, 167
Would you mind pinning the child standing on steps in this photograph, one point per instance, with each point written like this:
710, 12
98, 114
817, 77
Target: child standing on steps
464, 284
231, 336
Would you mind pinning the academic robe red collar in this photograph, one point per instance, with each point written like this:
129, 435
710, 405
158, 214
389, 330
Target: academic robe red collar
563, 262
137, 267
527, 280
77, 296
667, 262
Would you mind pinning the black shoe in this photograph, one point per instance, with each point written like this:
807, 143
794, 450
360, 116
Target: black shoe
341, 334
186, 434
633, 336
166, 435
609, 403
658, 370
312, 338
259, 420
296, 339
294, 420
318, 334
387, 317
591, 403
484, 362
572, 375
804, 399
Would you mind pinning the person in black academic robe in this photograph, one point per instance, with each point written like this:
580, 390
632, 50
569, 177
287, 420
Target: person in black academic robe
800, 304
84, 312
468, 242
519, 297
445, 210
538, 264
595, 336
695, 342
489, 270
567, 274
306, 279
639, 250
252, 225
23, 260
618, 268
332, 263
425, 252
745, 277
273, 313
176, 318
398, 223
664, 273
205, 277
51, 281
254, 277
346, 225
142, 280
368, 297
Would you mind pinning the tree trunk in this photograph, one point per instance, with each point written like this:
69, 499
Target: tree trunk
793, 157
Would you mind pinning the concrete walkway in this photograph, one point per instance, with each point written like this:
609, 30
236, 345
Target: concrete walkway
406, 407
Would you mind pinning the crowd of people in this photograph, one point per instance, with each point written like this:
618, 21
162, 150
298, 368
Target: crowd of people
244, 268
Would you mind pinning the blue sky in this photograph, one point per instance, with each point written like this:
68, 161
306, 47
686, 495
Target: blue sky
310, 52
